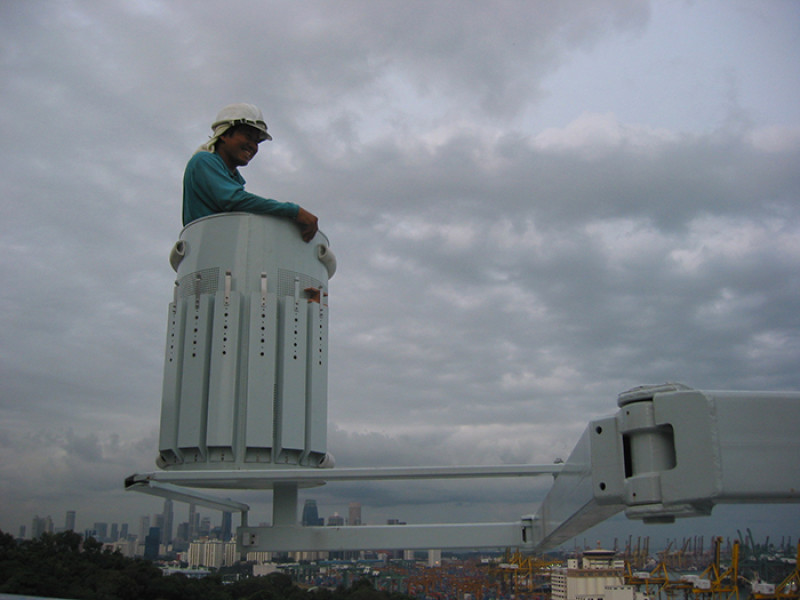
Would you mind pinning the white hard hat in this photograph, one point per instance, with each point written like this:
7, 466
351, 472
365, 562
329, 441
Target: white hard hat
247, 114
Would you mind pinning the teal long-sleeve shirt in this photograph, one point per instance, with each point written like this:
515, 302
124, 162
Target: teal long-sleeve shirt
209, 188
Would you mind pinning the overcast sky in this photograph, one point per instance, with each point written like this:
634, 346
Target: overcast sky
534, 205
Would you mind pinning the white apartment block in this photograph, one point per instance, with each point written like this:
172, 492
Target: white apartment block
596, 576
212, 554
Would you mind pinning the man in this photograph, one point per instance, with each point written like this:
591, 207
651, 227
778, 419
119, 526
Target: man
212, 183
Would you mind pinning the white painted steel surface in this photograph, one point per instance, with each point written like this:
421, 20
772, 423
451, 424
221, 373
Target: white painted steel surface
669, 452
267, 479
245, 372
245, 407
175, 492
673, 452
380, 537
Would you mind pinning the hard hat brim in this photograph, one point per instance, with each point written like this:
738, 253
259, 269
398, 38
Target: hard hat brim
258, 125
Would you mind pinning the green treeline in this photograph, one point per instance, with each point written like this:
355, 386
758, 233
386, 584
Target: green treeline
65, 565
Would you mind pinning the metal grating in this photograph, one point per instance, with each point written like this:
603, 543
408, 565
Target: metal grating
204, 281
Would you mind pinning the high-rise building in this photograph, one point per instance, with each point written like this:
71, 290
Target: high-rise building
194, 522
151, 543
335, 520
101, 531
114, 533
311, 516
183, 532
144, 528
123, 531
158, 521
212, 553
205, 527
597, 575
354, 513
40, 526
169, 515
227, 527
69, 521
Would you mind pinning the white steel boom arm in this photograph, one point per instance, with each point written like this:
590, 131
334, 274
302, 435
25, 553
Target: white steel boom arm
673, 452
669, 452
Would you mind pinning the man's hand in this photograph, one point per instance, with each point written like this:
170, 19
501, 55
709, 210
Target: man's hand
307, 223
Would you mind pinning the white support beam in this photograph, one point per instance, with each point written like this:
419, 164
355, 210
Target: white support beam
268, 478
380, 537
174, 492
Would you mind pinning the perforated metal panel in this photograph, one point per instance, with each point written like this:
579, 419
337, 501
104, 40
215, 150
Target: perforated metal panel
245, 368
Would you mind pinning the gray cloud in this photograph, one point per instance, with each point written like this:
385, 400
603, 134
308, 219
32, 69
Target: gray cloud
512, 253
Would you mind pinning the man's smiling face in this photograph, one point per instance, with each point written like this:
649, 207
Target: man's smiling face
238, 146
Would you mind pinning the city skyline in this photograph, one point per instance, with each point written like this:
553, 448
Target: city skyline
193, 547
164, 521
604, 535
